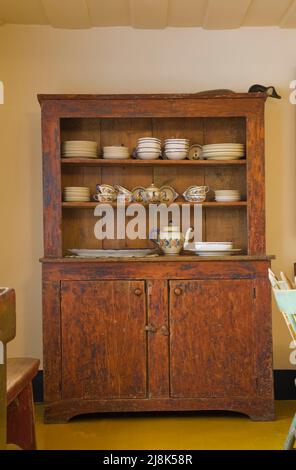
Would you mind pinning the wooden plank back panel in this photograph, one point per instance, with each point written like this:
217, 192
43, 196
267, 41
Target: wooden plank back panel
78, 229
219, 130
227, 224
81, 129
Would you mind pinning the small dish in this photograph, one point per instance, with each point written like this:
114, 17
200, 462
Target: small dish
168, 194
138, 194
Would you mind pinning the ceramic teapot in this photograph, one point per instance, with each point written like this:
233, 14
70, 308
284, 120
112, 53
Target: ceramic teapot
171, 240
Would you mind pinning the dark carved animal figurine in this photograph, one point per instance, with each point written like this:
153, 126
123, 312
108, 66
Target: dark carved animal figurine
269, 90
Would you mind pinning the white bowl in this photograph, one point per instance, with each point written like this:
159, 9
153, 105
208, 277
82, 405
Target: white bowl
148, 155
180, 141
149, 144
176, 155
150, 140
176, 147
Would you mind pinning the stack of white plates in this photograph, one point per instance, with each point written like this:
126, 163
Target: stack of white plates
227, 195
213, 248
76, 194
148, 148
116, 152
223, 151
79, 149
176, 149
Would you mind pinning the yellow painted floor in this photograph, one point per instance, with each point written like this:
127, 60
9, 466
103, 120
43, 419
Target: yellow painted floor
204, 431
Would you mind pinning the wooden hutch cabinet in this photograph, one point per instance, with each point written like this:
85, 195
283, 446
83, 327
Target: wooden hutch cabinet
162, 333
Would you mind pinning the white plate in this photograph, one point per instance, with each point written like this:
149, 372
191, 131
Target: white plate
132, 253
227, 200
76, 193
226, 157
221, 152
227, 144
74, 147
212, 246
118, 152
79, 154
218, 253
224, 191
223, 149
76, 199
79, 150
83, 188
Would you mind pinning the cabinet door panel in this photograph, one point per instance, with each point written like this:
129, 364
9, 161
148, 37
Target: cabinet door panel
103, 339
212, 338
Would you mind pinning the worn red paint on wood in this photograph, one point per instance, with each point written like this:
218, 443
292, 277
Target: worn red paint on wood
117, 337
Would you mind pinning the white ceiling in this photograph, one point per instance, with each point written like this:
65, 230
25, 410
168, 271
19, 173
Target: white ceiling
150, 14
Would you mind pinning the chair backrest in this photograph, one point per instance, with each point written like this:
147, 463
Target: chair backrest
286, 302
7, 333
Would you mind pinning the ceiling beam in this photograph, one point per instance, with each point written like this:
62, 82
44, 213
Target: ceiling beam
266, 12
22, 12
109, 12
71, 14
221, 14
149, 14
289, 18
186, 13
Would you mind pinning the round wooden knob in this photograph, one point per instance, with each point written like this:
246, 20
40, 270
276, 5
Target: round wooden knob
138, 292
178, 291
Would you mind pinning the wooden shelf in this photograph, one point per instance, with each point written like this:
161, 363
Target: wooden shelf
90, 205
133, 162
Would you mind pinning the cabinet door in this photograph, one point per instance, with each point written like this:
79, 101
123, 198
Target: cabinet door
212, 338
103, 339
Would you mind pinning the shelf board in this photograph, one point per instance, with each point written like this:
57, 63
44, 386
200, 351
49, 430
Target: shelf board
133, 162
91, 205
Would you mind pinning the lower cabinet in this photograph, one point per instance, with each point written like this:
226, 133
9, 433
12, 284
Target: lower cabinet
106, 334
158, 344
103, 339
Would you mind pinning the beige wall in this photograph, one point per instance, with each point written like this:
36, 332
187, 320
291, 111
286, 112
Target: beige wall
41, 59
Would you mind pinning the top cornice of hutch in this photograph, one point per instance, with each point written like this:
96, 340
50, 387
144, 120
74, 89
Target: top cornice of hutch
164, 96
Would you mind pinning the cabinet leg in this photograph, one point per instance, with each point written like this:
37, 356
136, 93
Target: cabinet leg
267, 413
52, 417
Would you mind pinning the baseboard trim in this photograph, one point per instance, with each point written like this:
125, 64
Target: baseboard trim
284, 385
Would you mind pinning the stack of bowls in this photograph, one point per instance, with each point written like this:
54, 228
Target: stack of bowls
79, 149
76, 194
227, 195
148, 148
116, 152
176, 149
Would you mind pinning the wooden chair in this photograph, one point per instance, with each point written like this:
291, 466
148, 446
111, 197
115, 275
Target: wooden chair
17, 424
286, 302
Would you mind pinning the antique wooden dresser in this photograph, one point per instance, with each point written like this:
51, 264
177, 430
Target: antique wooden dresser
165, 333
